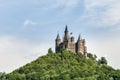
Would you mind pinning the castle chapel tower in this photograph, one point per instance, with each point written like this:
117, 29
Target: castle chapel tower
70, 44
65, 38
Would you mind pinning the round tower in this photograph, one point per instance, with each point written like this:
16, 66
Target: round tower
80, 46
57, 43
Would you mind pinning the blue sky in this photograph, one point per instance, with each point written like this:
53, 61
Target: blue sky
29, 27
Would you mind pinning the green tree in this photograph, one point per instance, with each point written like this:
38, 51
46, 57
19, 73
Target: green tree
91, 56
64, 65
102, 60
50, 51
115, 75
2, 75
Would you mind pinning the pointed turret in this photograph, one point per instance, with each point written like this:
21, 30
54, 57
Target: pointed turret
79, 37
66, 35
58, 37
57, 43
66, 29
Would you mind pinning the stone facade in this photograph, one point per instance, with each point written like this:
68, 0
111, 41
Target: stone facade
70, 44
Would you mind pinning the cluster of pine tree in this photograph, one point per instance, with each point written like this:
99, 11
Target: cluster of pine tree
64, 66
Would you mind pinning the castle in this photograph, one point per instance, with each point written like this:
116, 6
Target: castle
70, 44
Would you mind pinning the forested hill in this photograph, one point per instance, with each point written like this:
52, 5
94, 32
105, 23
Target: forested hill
64, 66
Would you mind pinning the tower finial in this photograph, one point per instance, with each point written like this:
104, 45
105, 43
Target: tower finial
58, 37
79, 37
66, 29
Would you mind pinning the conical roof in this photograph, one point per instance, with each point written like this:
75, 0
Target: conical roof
66, 29
79, 37
58, 37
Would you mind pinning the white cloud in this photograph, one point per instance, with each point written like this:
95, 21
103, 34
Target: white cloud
28, 22
107, 47
93, 4
15, 53
112, 16
103, 13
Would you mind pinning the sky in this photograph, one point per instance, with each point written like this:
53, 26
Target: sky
29, 27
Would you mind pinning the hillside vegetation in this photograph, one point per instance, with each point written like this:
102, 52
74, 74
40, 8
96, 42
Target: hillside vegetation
64, 66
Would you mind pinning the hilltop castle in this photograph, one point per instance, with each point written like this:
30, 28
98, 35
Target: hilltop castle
70, 44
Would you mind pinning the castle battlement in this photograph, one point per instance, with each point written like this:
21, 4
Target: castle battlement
70, 44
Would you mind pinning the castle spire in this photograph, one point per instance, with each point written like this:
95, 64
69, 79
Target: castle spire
66, 29
79, 37
58, 37
66, 34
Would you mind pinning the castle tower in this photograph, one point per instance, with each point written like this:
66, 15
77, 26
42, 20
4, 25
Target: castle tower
80, 46
71, 46
66, 31
57, 43
85, 48
66, 38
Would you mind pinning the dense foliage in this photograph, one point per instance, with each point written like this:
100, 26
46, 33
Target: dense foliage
64, 66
